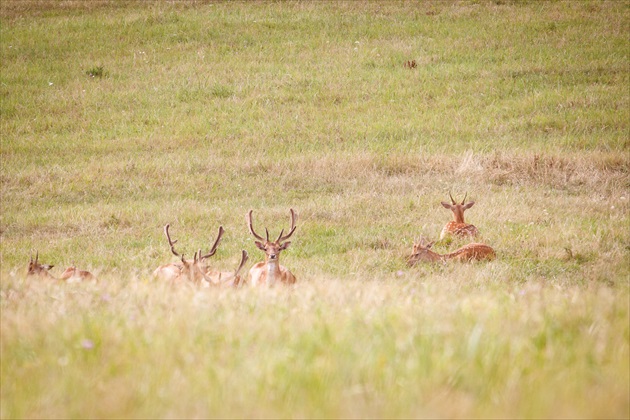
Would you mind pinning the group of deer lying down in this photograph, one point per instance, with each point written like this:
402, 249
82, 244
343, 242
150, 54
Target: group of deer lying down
270, 272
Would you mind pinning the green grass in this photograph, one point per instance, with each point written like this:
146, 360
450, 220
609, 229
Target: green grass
119, 117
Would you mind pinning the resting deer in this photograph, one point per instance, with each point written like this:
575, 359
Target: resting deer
73, 275
457, 226
227, 278
193, 270
467, 253
270, 271
39, 270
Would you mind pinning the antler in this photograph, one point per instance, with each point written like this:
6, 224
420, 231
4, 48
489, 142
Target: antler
170, 242
237, 279
288, 235
244, 258
214, 247
280, 237
453, 200
251, 227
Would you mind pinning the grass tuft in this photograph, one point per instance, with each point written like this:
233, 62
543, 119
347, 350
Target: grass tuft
98, 71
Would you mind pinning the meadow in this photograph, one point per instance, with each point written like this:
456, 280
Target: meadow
118, 117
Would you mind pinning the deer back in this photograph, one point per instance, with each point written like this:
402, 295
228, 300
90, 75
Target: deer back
472, 252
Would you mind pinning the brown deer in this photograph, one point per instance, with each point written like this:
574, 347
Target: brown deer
35, 269
458, 226
227, 278
73, 275
467, 253
193, 270
270, 271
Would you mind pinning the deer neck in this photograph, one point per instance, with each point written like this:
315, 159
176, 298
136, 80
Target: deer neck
458, 215
427, 256
273, 271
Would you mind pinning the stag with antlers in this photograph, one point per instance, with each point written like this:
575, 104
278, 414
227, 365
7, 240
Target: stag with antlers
270, 271
457, 226
193, 270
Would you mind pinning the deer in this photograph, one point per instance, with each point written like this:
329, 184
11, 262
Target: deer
467, 253
227, 278
270, 271
73, 275
35, 269
458, 226
193, 270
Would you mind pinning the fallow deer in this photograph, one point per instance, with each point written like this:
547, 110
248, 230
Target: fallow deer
270, 271
227, 278
39, 270
457, 226
193, 270
73, 275
467, 253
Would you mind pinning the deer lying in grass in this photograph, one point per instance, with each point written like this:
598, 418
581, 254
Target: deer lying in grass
270, 271
192, 270
197, 269
70, 275
467, 253
35, 269
73, 275
457, 226
227, 278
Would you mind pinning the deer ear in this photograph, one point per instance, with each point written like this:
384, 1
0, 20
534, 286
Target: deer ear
260, 245
446, 205
469, 205
285, 245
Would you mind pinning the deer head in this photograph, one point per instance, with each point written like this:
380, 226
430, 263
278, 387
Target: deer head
272, 249
422, 252
458, 208
37, 269
196, 268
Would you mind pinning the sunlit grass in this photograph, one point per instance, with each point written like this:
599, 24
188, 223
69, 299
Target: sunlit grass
387, 348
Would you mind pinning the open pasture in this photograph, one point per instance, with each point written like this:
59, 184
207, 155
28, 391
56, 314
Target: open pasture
119, 117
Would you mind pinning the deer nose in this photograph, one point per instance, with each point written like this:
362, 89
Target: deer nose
272, 256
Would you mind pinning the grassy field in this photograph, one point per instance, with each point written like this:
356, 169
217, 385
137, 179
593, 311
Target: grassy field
119, 117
